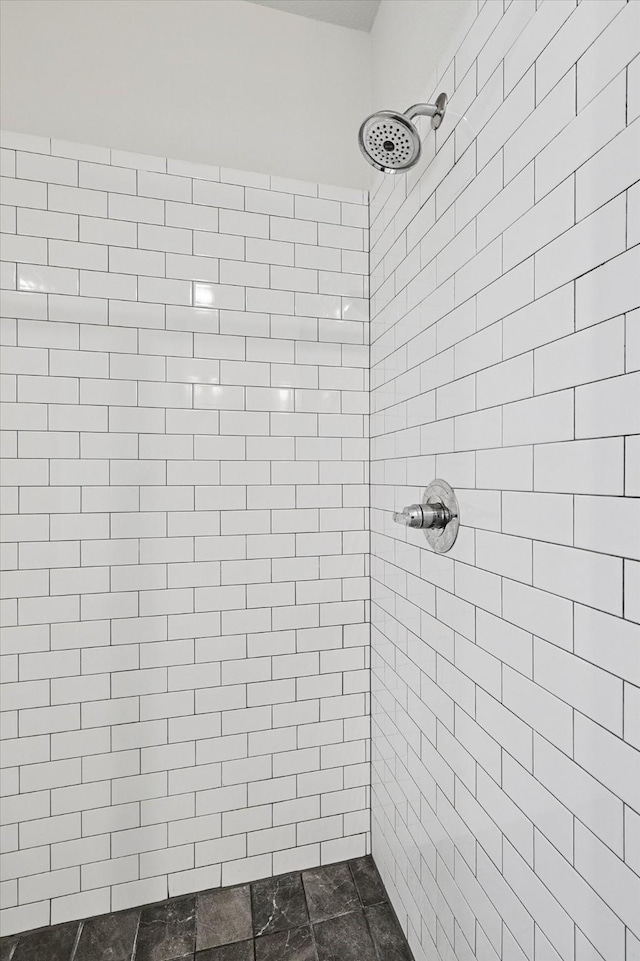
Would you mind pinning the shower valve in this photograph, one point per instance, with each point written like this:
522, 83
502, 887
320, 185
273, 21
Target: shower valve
438, 516
423, 515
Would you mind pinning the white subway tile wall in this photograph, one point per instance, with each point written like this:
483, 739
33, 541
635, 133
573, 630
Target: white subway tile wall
185, 579
185, 644
504, 329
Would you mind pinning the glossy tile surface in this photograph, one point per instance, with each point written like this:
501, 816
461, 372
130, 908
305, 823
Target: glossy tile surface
330, 891
388, 939
223, 917
339, 912
278, 904
167, 931
110, 937
368, 881
185, 417
48, 944
240, 951
296, 944
346, 938
505, 272
7, 946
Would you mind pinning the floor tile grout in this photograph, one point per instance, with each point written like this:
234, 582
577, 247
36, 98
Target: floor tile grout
302, 916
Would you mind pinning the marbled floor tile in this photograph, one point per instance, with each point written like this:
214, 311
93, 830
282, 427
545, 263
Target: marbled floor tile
387, 934
296, 944
7, 946
110, 937
278, 904
240, 951
223, 916
330, 891
345, 938
218, 925
167, 931
368, 881
47, 944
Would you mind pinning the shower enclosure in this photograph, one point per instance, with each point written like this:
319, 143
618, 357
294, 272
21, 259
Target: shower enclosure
223, 658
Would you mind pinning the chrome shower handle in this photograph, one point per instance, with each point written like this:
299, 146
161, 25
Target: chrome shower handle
438, 516
423, 516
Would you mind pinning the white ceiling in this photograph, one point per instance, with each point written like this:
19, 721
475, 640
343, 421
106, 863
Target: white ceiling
358, 14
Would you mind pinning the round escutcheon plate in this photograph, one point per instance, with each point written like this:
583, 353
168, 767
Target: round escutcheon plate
442, 539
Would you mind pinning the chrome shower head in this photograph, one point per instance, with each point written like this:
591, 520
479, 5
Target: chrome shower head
390, 142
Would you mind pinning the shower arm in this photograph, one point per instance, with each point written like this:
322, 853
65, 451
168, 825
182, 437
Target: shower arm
434, 110
421, 110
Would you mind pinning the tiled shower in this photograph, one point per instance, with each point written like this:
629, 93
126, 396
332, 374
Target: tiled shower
222, 660
189, 705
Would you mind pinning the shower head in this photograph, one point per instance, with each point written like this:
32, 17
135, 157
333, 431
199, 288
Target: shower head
390, 142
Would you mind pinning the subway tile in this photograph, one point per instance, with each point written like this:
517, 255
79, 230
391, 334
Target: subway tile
41, 223
23, 304
612, 49
268, 202
609, 172
163, 186
592, 691
550, 915
508, 117
127, 158
505, 382
135, 209
580, 467
611, 879
50, 280
66, 253
218, 194
549, 218
575, 36
479, 33
579, 140
100, 284
513, 734
126, 261
539, 420
508, 293
594, 400
538, 612
590, 355
609, 290
76, 200
28, 250
98, 176
617, 657
23, 193
541, 322
280, 333
623, 521
592, 242
609, 759
102, 231
26, 141
7, 162
584, 576
542, 126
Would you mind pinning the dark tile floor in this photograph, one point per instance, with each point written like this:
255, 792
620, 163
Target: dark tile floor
334, 913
